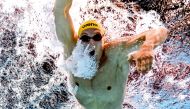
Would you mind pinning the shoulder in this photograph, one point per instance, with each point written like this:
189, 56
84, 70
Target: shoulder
116, 43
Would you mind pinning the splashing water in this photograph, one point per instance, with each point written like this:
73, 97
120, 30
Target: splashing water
32, 73
113, 17
30, 53
80, 63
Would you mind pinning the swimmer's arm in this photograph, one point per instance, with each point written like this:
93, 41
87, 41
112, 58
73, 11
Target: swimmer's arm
64, 25
151, 38
144, 56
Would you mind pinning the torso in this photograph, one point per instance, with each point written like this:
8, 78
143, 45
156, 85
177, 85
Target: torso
106, 89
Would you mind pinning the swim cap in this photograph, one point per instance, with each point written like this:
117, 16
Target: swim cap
90, 24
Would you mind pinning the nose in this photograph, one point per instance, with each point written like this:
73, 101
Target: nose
92, 41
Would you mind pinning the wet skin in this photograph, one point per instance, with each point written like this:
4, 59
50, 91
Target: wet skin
106, 89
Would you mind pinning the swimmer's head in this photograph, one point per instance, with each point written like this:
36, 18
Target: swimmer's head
90, 24
91, 33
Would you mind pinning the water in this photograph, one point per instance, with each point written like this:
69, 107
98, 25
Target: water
32, 73
80, 63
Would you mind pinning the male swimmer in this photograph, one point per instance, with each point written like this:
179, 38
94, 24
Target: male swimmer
97, 68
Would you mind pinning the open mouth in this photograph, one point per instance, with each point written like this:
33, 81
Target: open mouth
92, 53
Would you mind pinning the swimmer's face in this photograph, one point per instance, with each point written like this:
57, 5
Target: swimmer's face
93, 37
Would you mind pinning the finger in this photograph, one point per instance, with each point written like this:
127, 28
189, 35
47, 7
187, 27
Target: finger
147, 65
139, 62
139, 69
130, 59
150, 64
138, 65
131, 56
151, 59
143, 68
143, 63
132, 62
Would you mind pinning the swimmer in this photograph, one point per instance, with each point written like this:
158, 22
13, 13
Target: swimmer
99, 69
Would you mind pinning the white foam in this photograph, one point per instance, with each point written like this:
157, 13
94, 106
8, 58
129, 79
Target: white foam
80, 63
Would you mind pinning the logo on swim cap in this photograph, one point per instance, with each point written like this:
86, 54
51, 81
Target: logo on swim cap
90, 24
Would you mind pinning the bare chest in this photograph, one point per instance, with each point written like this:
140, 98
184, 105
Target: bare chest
109, 83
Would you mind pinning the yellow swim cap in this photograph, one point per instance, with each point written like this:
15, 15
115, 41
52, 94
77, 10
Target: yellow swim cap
90, 24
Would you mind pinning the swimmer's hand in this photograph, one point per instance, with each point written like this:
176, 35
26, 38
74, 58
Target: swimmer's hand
142, 58
60, 4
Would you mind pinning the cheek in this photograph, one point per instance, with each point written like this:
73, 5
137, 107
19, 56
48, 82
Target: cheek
98, 46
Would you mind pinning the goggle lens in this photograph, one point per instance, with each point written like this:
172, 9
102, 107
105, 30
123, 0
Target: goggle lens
85, 38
